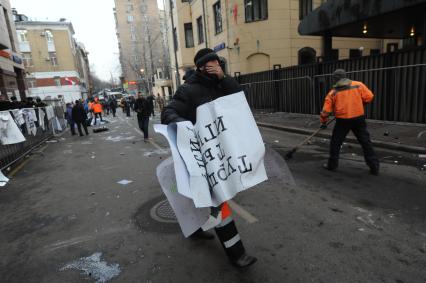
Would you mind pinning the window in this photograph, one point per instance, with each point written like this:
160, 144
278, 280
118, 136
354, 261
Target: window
129, 8
133, 36
57, 81
200, 30
53, 59
307, 55
175, 40
27, 59
305, 6
189, 36
256, 10
144, 8
355, 53
49, 35
22, 35
217, 17
391, 47
130, 19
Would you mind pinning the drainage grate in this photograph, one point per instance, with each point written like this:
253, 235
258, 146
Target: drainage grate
163, 212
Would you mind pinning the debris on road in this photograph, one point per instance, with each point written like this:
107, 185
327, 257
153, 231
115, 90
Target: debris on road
386, 134
3, 180
124, 182
92, 266
100, 129
52, 141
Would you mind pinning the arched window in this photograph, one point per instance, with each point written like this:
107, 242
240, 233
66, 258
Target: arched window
258, 62
307, 55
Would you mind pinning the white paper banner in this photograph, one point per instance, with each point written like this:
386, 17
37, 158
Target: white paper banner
189, 217
222, 153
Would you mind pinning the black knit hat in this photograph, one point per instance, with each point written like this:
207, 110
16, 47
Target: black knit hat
205, 55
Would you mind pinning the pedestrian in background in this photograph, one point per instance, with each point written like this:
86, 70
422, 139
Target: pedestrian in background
97, 110
79, 116
113, 105
346, 100
15, 104
69, 118
160, 102
143, 111
29, 103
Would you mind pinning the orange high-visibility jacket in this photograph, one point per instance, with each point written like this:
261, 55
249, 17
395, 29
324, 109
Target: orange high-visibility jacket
97, 107
346, 100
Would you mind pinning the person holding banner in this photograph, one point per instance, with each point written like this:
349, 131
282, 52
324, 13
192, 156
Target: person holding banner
208, 83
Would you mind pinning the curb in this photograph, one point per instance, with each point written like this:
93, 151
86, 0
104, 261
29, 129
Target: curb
376, 143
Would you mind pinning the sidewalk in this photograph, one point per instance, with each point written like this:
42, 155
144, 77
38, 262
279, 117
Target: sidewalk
406, 137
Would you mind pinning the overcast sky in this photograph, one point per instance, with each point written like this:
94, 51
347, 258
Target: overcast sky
94, 26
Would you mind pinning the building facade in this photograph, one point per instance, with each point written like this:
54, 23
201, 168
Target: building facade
57, 66
12, 74
141, 44
252, 35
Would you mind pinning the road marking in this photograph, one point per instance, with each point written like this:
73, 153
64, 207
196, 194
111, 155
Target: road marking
23, 163
249, 218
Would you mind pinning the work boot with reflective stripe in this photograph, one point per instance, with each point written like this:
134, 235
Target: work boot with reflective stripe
231, 242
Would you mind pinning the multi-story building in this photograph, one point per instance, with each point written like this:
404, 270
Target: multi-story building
12, 72
57, 66
140, 42
252, 35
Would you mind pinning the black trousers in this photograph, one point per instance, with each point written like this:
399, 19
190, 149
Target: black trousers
359, 127
230, 239
84, 124
143, 123
98, 115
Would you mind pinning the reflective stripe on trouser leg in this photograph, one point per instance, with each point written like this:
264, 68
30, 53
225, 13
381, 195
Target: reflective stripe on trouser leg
230, 239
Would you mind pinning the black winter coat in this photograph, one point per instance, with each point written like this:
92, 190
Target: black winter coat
78, 114
142, 108
197, 90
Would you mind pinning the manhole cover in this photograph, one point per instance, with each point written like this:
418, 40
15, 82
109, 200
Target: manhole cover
163, 212
157, 216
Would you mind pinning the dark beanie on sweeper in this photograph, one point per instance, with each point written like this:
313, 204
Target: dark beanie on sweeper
205, 55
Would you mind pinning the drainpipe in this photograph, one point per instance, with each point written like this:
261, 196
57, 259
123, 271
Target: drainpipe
228, 49
174, 44
204, 23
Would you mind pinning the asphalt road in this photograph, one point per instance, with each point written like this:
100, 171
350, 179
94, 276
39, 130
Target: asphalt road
305, 224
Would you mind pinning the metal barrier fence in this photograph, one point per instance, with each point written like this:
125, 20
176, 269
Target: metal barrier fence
9, 154
398, 81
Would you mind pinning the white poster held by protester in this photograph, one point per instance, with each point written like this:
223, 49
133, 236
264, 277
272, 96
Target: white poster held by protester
182, 176
189, 217
9, 131
223, 152
3, 180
